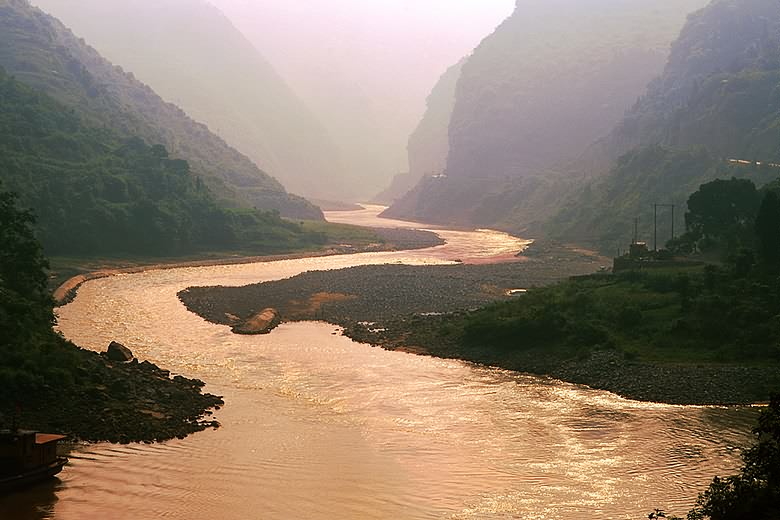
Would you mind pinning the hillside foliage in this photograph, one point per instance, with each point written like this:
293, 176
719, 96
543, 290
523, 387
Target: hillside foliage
602, 213
717, 100
49, 384
96, 193
189, 52
41, 52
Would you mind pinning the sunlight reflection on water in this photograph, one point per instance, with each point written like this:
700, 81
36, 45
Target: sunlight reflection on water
317, 426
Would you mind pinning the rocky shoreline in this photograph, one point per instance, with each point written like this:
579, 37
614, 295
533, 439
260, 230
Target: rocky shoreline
400, 307
115, 400
379, 293
669, 383
119, 399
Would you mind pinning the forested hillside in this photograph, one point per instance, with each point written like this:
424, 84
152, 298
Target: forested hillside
98, 193
719, 89
192, 55
602, 213
535, 94
63, 388
718, 99
38, 50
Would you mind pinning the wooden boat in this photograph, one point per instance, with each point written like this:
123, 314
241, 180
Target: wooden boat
28, 457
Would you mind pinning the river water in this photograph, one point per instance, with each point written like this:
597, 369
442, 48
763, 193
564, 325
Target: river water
319, 427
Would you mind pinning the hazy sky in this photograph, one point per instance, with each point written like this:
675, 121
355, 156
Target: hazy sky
370, 63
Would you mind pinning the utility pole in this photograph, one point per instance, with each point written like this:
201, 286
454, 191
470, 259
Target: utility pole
655, 227
655, 222
636, 230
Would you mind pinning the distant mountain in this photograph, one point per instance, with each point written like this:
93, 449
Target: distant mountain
429, 144
399, 186
717, 99
534, 95
192, 55
39, 51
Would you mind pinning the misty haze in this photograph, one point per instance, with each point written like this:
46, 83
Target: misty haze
389, 259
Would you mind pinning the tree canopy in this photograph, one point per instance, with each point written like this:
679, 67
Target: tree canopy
721, 205
25, 305
768, 229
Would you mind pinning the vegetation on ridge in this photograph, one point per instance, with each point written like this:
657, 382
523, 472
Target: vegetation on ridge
717, 100
188, 51
603, 212
42, 53
713, 314
96, 193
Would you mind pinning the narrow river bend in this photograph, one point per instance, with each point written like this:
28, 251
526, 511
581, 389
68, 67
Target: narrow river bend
319, 427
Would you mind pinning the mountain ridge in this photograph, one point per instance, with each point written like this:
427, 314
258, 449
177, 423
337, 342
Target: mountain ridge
531, 99
193, 55
40, 51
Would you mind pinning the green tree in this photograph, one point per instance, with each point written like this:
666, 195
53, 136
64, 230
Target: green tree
22, 265
768, 229
721, 206
25, 305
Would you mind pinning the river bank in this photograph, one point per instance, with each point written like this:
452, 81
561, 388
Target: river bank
670, 383
67, 275
379, 293
90, 397
418, 309
405, 436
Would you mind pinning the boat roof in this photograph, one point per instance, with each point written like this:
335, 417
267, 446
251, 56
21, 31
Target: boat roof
46, 438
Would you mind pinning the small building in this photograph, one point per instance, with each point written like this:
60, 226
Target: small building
27, 457
639, 255
638, 250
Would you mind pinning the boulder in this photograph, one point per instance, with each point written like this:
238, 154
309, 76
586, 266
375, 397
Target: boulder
262, 322
118, 352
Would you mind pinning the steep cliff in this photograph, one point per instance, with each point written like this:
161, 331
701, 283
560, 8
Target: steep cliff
429, 144
534, 95
717, 100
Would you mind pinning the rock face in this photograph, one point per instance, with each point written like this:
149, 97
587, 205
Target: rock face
430, 142
717, 99
718, 90
552, 79
118, 352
